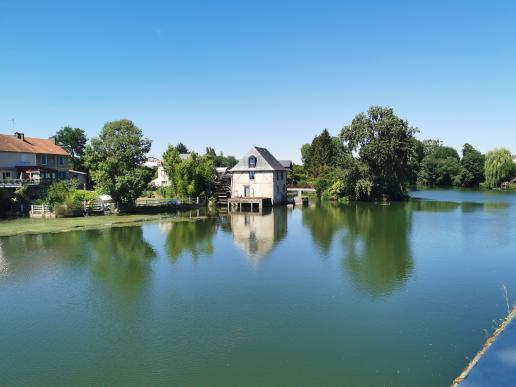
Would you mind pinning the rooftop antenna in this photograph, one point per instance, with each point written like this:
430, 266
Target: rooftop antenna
12, 121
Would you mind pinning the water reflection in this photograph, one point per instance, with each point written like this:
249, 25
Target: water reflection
377, 256
121, 254
324, 220
449, 206
374, 238
194, 237
257, 234
30, 252
4, 268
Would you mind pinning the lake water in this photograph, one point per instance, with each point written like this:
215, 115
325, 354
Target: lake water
359, 294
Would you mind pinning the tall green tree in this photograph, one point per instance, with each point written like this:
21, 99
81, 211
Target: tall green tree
385, 144
181, 148
472, 167
189, 178
324, 153
498, 167
73, 140
440, 166
115, 160
219, 160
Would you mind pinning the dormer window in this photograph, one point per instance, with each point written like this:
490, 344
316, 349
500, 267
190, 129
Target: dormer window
252, 162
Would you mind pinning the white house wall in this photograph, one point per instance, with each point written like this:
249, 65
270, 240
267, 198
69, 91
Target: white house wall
265, 184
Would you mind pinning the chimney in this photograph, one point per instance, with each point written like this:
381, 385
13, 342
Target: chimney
19, 136
53, 138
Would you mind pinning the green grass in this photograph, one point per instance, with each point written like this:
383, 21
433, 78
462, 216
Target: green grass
39, 226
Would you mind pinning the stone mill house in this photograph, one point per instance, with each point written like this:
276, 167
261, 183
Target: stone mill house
259, 175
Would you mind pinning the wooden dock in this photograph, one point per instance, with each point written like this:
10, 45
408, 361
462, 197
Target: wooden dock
248, 203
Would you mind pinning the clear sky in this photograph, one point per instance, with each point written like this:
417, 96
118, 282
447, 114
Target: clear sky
232, 74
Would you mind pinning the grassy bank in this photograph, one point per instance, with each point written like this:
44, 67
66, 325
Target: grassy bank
39, 226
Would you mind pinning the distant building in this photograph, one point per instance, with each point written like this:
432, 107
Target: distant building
29, 160
81, 177
162, 180
259, 174
152, 162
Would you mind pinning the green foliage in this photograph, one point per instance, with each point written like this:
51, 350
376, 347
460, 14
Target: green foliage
65, 191
82, 196
65, 199
189, 178
320, 154
115, 160
73, 140
337, 190
298, 175
498, 167
472, 167
21, 194
441, 165
220, 160
59, 191
416, 160
385, 144
430, 145
181, 148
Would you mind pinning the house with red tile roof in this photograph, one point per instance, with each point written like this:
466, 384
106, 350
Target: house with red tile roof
31, 160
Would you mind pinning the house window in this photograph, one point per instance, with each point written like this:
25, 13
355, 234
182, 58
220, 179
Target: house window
252, 162
24, 158
6, 175
251, 175
44, 159
61, 160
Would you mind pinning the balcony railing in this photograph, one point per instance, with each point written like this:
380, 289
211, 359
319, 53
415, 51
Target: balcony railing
9, 183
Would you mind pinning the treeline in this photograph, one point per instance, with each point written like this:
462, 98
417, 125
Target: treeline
114, 161
379, 157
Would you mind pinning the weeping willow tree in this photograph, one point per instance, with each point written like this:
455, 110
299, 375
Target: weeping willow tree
498, 167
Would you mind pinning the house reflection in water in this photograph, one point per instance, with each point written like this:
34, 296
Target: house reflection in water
3, 261
257, 234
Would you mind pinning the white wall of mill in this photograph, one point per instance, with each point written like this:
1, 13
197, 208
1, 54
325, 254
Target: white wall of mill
265, 184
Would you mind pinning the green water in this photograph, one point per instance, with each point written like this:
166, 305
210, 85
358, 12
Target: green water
356, 295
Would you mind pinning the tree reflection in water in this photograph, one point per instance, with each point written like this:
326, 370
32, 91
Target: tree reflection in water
375, 241
378, 255
26, 252
121, 254
195, 238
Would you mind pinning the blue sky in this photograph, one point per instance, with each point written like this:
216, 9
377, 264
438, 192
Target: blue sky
231, 74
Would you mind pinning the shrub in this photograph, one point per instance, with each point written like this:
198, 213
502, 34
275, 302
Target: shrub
65, 199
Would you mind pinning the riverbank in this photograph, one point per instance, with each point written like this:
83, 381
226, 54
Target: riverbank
40, 226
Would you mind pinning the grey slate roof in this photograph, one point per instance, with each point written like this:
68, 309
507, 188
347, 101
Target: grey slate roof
287, 164
265, 161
